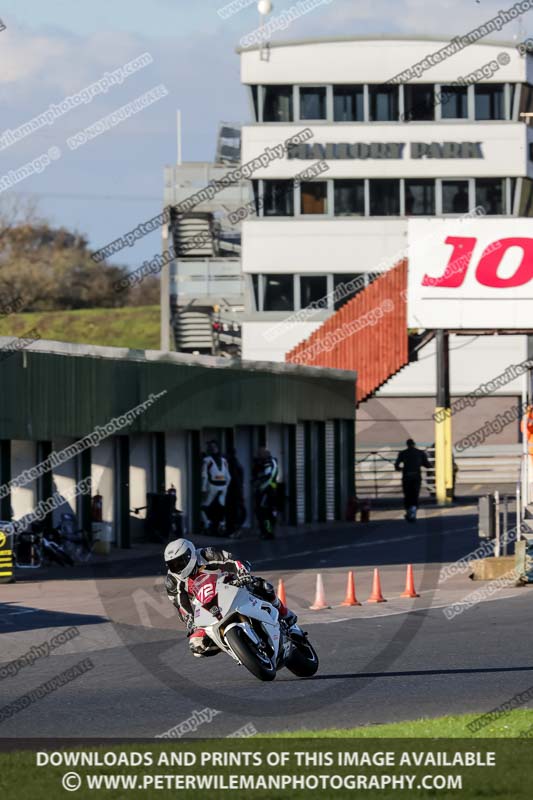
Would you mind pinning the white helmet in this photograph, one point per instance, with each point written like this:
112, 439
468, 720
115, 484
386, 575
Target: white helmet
181, 558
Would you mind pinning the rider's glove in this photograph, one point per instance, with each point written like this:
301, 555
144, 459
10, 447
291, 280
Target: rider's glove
243, 569
188, 619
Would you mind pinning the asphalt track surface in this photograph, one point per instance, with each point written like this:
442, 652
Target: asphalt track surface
397, 661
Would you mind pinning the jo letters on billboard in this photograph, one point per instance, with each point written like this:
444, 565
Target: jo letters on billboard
471, 273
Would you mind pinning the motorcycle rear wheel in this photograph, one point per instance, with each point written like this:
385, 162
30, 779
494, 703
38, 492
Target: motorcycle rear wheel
245, 650
303, 660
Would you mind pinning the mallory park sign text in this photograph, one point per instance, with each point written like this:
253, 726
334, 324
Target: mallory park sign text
382, 150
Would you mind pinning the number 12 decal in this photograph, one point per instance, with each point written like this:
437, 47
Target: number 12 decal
487, 268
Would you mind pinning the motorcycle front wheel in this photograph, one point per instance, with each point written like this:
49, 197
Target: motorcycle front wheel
259, 665
303, 660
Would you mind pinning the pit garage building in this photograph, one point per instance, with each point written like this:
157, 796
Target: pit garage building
56, 394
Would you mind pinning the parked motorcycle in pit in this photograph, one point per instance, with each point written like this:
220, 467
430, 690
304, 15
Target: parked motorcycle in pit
248, 628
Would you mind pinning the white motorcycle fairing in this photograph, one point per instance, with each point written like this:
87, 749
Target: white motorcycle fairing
220, 606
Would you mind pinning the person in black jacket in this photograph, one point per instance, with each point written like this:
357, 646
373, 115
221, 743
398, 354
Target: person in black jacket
411, 460
235, 506
265, 472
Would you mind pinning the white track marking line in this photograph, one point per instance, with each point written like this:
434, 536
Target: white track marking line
403, 611
355, 545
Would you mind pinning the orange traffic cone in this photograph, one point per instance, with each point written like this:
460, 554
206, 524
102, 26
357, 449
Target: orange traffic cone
376, 596
281, 592
320, 596
350, 599
409, 584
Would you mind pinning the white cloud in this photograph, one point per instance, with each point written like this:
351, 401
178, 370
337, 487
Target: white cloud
445, 19
24, 56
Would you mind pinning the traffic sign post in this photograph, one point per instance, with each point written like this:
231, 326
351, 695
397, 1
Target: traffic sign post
7, 571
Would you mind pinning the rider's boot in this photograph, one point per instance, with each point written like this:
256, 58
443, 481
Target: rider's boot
288, 616
200, 644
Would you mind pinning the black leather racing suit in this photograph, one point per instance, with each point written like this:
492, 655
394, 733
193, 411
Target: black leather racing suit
179, 593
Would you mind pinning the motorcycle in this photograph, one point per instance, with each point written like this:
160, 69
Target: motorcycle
248, 628
34, 547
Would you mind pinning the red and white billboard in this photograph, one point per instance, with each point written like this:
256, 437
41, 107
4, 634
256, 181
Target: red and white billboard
470, 272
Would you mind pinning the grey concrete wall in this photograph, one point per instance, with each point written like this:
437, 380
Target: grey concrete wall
390, 420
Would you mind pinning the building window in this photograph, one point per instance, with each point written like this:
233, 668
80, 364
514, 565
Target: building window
490, 193
346, 286
511, 210
453, 102
255, 102
349, 198
314, 197
419, 102
455, 197
526, 101
313, 102
278, 198
255, 192
348, 104
526, 199
279, 293
384, 103
313, 289
490, 102
384, 198
277, 104
255, 289
419, 197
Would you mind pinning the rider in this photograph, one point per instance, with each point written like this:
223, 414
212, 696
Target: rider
265, 482
185, 562
215, 482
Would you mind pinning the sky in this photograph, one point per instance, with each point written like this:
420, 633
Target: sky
54, 49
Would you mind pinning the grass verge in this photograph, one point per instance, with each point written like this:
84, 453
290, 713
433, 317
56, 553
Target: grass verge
514, 724
136, 327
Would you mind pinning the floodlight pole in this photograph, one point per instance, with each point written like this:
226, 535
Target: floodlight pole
264, 8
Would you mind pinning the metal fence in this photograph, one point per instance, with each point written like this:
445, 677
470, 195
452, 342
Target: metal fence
376, 477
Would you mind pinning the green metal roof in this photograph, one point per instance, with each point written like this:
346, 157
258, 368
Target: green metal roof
52, 389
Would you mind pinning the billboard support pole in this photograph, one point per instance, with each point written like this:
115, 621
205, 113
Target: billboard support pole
443, 423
